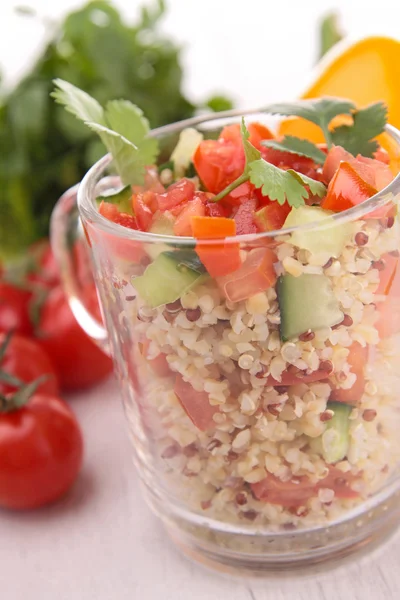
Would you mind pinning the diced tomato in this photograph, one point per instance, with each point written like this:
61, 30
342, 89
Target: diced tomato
183, 223
346, 189
255, 275
299, 490
235, 198
218, 163
177, 193
287, 159
196, 404
382, 155
335, 156
258, 133
123, 248
386, 276
151, 182
219, 259
231, 133
142, 212
288, 378
159, 364
272, 216
381, 173
357, 360
215, 209
244, 217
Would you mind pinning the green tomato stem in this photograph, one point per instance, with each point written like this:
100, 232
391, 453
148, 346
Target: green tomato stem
232, 186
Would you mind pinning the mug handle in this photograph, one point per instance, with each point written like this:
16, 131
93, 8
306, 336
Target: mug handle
65, 228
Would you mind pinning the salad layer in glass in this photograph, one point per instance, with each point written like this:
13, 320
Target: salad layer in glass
270, 360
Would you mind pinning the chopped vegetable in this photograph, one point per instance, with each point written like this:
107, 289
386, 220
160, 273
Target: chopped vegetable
334, 443
357, 359
196, 404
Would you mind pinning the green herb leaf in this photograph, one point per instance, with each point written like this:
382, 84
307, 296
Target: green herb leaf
367, 123
125, 154
298, 146
277, 184
316, 187
128, 120
320, 111
251, 153
121, 127
77, 102
329, 33
187, 258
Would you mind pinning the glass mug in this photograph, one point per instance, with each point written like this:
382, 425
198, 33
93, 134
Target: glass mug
254, 451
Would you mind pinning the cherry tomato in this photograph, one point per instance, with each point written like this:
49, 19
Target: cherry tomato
45, 269
27, 361
78, 361
40, 452
14, 309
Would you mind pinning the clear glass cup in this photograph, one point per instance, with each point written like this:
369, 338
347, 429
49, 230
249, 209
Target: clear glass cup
255, 452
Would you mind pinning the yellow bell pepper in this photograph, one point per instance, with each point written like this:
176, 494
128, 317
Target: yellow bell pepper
366, 71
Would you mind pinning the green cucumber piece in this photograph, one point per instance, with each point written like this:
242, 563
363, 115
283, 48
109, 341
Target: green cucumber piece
165, 281
333, 444
306, 303
122, 198
330, 239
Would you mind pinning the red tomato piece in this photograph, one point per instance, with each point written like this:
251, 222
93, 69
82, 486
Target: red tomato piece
177, 193
231, 133
159, 364
357, 360
382, 155
258, 133
346, 189
244, 217
299, 490
255, 275
45, 270
272, 216
183, 223
142, 212
79, 363
288, 378
335, 156
14, 309
215, 209
120, 247
235, 198
196, 404
287, 159
27, 361
41, 451
218, 163
381, 173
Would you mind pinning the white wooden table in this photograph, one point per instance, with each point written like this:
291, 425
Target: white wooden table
102, 543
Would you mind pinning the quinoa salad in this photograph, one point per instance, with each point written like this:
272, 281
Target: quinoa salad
265, 369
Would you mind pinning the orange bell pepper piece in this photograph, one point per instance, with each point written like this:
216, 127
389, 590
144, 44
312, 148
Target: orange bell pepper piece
219, 259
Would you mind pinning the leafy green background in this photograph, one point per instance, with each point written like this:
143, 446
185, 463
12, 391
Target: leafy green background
43, 149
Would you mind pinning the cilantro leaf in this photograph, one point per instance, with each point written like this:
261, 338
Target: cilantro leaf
125, 154
78, 102
277, 184
368, 122
251, 153
121, 127
316, 187
320, 111
127, 119
298, 146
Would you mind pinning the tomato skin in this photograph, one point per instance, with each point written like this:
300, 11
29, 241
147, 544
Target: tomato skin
255, 275
299, 490
26, 360
346, 189
196, 404
177, 193
14, 309
218, 163
41, 452
357, 360
78, 361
